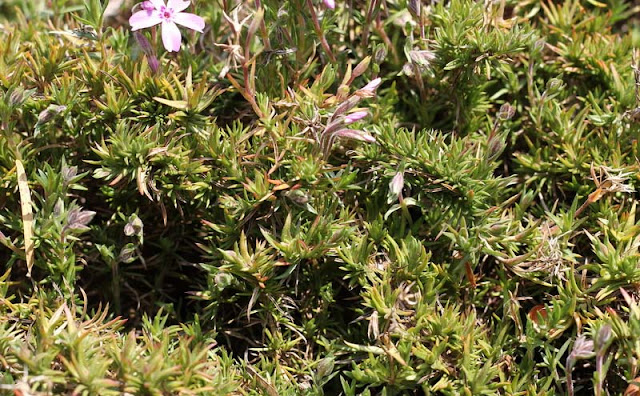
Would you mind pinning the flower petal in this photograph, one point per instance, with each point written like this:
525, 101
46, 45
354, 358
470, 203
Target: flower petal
178, 5
192, 21
157, 3
144, 19
171, 36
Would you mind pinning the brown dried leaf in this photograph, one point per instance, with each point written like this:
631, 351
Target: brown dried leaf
633, 389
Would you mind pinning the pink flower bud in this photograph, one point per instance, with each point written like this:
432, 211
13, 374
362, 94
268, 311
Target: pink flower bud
346, 106
144, 44
355, 116
330, 4
369, 90
148, 6
361, 68
154, 64
356, 134
397, 184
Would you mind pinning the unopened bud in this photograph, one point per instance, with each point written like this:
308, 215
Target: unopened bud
68, 173
355, 116
142, 41
223, 279
602, 337
58, 208
18, 96
408, 69
325, 367
495, 147
422, 57
356, 135
373, 330
554, 84
147, 6
154, 64
538, 46
346, 106
506, 112
397, 184
343, 91
127, 254
147, 48
415, 8
369, 90
299, 197
361, 67
380, 54
49, 113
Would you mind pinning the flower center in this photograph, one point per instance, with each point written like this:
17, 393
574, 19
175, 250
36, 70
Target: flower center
166, 13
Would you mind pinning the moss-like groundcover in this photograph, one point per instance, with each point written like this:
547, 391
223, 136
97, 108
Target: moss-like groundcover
372, 197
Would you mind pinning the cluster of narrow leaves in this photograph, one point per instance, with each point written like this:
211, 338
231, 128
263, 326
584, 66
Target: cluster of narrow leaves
380, 197
65, 354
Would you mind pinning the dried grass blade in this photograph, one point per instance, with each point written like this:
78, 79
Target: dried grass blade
263, 382
27, 215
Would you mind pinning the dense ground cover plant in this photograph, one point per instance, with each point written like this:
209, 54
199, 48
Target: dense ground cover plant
306, 197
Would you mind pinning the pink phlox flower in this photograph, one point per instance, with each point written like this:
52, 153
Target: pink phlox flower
330, 4
154, 12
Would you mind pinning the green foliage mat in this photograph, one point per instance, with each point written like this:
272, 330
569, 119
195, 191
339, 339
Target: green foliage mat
391, 197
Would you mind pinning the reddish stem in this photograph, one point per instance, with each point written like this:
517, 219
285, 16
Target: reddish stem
318, 29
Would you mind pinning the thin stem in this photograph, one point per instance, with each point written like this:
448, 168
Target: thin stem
319, 32
263, 29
